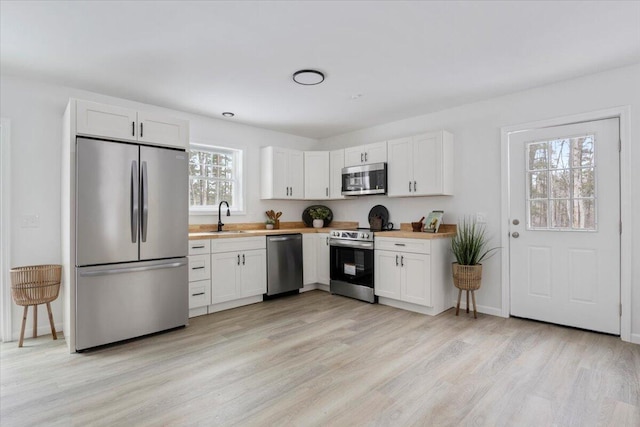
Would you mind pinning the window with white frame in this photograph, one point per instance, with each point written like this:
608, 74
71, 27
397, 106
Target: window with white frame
215, 174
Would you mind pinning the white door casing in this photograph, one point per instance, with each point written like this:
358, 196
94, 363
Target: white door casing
564, 265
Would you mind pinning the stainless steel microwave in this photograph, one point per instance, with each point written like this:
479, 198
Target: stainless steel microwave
364, 180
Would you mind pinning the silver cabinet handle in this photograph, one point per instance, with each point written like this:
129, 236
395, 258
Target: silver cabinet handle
197, 268
402, 261
134, 201
141, 131
238, 259
409, 186
361, 157
291, 192
197, 247
396, 260
327, 188
515, 234
414, 186
400, 244
199, 293
242, 259
365, 157
133, 128
145, 202
327, 241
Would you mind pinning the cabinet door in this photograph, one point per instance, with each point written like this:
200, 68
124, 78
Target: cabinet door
400, 167
375, 153
159, 129
316, 175
253, 277
416, 278
427, 158
224, 280
106, 120
309, 259
353, 156
336, 163
323, 263
280, 173
387, 274
296, 174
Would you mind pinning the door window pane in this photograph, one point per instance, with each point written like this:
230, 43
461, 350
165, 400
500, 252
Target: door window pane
561, 184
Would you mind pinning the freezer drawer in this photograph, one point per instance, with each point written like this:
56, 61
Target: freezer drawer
123, 301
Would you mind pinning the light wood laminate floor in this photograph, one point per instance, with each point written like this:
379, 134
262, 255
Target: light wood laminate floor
322, 360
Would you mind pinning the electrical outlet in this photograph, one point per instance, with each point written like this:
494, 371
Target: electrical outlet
481, 217
30, 221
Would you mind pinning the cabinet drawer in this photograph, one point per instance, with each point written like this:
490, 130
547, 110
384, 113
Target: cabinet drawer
199, 267
418, 246
199, 247
234, 244
199, 293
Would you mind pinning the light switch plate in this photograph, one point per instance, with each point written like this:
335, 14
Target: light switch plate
30, 221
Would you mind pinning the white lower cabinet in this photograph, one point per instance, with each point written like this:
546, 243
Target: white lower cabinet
412, 274
199, 277
315, 259
239, 271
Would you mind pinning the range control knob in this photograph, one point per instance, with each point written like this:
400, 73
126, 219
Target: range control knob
366, 235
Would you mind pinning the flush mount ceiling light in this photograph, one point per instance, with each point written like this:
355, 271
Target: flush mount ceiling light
228, 114
308, 77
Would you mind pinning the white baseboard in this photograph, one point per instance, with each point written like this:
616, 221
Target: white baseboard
315, 286
233, 304
635, 338
493, 311
42, 330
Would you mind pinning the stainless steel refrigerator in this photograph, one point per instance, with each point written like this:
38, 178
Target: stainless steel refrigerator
131, 241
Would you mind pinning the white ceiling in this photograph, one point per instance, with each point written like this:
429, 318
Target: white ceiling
404, 58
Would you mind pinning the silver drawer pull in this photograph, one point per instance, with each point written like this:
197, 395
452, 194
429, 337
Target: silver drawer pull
197, 268
400, 244
198, 294
197, 247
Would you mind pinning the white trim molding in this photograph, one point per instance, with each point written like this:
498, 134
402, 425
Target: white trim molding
626, 215
5, 230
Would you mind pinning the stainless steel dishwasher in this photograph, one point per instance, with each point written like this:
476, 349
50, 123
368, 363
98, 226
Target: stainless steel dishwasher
284, 263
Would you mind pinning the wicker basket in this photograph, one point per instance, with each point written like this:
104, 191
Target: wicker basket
467, 277
35, 284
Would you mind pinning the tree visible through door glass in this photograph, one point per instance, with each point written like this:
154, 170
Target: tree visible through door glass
561, 193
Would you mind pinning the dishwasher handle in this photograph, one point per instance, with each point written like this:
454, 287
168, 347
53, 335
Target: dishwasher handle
284, 238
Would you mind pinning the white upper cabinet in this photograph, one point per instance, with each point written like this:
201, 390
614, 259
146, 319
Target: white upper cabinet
336, 163
366, 154
282, 173
108, 121
421, 165
316, 175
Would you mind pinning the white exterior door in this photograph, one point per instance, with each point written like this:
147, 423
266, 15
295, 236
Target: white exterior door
564, 203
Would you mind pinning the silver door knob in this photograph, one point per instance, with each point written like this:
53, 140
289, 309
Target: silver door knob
515, 234
516, 222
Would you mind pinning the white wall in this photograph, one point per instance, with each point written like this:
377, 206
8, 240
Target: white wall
476, 129
35, 110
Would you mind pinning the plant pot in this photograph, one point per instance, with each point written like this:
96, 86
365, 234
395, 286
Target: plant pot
318, 223
269, 226
467, 277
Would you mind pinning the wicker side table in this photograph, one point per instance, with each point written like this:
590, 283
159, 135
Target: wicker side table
33, 285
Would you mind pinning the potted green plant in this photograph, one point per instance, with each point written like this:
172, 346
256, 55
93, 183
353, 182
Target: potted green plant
469, 246
269, 224
319, 214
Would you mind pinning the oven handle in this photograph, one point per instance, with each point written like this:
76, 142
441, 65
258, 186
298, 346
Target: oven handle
350, 244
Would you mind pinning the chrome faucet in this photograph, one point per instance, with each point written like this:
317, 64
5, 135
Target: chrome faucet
220, 224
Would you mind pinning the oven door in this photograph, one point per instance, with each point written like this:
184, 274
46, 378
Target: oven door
352, 262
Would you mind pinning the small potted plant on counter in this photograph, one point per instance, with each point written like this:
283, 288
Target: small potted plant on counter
469, 246
319, 214
269, 224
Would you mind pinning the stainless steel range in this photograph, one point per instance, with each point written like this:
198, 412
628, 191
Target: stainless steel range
351, 253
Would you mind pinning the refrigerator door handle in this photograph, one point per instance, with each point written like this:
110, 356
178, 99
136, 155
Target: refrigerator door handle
130, 269
145, 202
134, 201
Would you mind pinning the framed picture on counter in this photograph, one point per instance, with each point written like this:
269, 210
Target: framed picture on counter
433, 221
